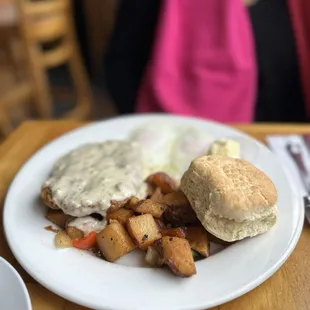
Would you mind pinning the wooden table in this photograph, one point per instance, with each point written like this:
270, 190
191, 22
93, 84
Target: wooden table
288, 289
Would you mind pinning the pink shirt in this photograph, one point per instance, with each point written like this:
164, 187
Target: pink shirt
203, 62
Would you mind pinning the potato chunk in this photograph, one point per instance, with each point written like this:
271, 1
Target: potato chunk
62, 240
117, 204
198, 240
152, 257
120, 215
157, 195
177, 254
132, 202
150, 207
176, 199
143, 230
174, 232
74, 233
114, 242
163, 181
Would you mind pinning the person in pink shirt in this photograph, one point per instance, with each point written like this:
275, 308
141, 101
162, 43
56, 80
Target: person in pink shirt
212, 59
203, 62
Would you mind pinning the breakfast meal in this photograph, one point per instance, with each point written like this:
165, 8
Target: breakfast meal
172, 194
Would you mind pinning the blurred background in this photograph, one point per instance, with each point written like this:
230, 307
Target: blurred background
51, 60
60, 58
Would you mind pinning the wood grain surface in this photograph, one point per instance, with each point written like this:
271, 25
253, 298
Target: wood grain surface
287, 289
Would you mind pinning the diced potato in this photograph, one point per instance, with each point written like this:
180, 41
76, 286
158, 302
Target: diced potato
120, 215
176, 199
198, 240
150, 190
157, 195
150, 207
174, 232
177, 254
152, 257
57, 217
114, 242
163, 181
74, 233
132, 202
62, 240
143, 230
112, 221
117, 204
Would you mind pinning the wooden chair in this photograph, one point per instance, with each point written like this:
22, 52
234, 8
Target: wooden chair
41, 22
20, 90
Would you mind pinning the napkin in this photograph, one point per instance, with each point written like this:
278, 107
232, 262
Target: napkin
277, 145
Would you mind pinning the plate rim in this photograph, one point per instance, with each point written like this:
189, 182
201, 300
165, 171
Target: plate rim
230, 296
20, 281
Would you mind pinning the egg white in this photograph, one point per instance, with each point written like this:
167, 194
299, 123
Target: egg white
189, 144
169, 148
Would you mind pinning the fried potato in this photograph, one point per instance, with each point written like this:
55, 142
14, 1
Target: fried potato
177, 254
176, 199
62, 240
74, 233
131, 203
57, 217
143, 230
150, 207
152, 257
179, 232
157, 195
198, 240
163, 181
120, 215
114, 242
150, 190
117, 204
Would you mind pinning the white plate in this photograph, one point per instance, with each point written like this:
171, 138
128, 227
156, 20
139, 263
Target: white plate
92, 282
13, 291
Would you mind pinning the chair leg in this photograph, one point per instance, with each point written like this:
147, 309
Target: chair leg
5, 124
38, 74
13, 58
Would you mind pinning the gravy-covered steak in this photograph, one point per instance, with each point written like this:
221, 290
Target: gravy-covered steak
87, 179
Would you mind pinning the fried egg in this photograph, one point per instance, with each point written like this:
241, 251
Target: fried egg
170, 148
189, 144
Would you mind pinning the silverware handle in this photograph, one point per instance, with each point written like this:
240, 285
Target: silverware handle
295, 153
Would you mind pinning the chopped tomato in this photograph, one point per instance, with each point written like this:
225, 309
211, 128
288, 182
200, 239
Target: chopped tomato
85, 243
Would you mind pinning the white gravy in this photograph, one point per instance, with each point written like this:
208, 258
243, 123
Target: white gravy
88, 224
85, 180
